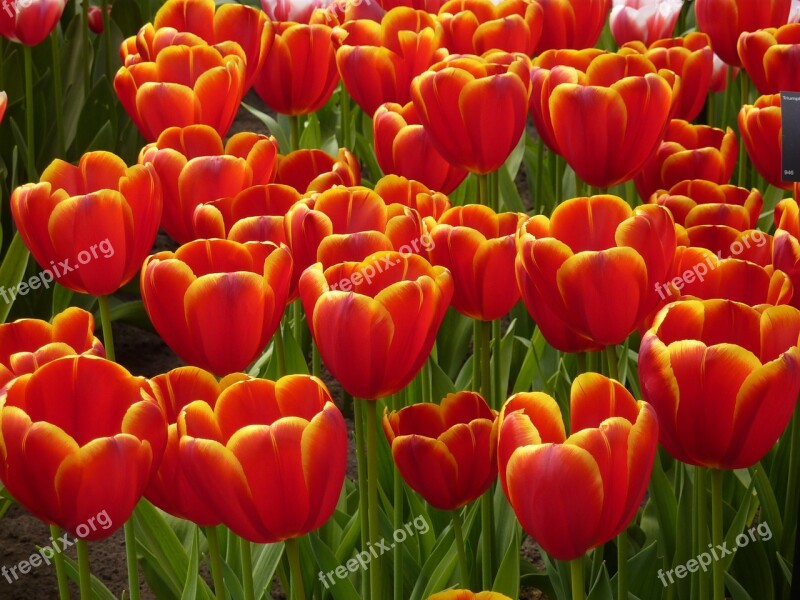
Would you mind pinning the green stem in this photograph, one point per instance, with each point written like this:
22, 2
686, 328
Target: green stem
483, 190
216, 563
61, 572
30, 132
294, 140
58, 93
344, 99
557, 180
463, 564
427, 390
293, 550
297, 322
716, 531
108, 334
576, 570
611, 355
790, 507
107, 40
580, 360
476, 353
247, 570
701, 525
486, 540
397, 520
132, 559
745, 80
539, 175
280, 352
580, 187
84, 572
372, 483
316, 360
485, 359
726, 99
87, 49
497, 337
622, 565
361, 461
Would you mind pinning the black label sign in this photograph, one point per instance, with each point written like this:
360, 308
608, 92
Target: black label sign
790, 123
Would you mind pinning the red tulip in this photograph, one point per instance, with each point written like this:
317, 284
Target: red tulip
317, 171
572, 494
643, 20
186, 292
86, 459
386, 310
726, 242
574, 24
786, 257
750, 359
787, 216
761, 130
772, 58
90, 226
96, 18
3, 105
446, 453
269, 459
410, 193
701, 202
431, 6
298, 11
29, 22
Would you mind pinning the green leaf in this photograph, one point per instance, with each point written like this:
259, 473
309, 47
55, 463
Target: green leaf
272, 126
266, 558
190, 587
11, 272
666, 507
342, 589
644, 573
507, 579
769, 505
99, 590
601, 589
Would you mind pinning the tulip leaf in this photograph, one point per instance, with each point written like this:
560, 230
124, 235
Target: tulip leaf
438, 569
644, 573
272, 127
772, 196
735, 588
666, 507
752, 570
342, 589
311, 137
769, 505
99, 590
11, 272
295, 360
128, 16
190, 587
601, 589
442, 385
510, 199
507, 579
266, 558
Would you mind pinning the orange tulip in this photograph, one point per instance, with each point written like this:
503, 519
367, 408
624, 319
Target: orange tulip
468, 595
446, 453
588, 274
431, 6
170, 489
727, 242
377, 61
179, 80
643, 20
3, 105
725, 20
299, 74
30, 22
27, 344
317, 171
701, 202
772, 58
404, 147
689, 152
83, 462
73, 212
195, 168
787, 216
187, 291
750, 359
786, 257
474, 108
478, 246
413, 194
386, 310
478, 26
572, 494
244, 25
269, 459
574, 24
761, 130
292, 10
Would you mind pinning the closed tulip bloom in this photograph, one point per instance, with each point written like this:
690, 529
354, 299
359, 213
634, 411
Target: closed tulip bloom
93, 451
445, 452
689, 152
299, 74
643, 20
3, 105
431, 6
725, 20
170, 489
377, 61
750, 359
726, 242
572, 494
772, 58
95, 17
468, 595
317, 171
786, 257
474, 108
30, 22
588, 274
478, 246
27, 344
761, 130
298, 11
700, 202
187, 83
269, 458
386, 310
787, 216
413, 194
403, 147
478, 26
194, 168
187, 291
74, 211
572, 24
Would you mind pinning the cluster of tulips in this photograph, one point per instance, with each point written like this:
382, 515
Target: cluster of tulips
621, 351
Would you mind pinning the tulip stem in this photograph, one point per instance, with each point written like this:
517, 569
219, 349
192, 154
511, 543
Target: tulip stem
576, 569
622, 565
476, 354
297, 322
216, 562
361, 460
131, 558
716, 531
280, 352
463, 564
294, 133
483, 190
61, 572
344, 99
58, 93
372, 481
316, 360
611, 355
296, 571
497, 336
397, 517
87, 48
701, 524
790, 507
486, 539
107, 40
745, 80
105, 320
84, 572
726, 98
247, 570
30, 141
539, 174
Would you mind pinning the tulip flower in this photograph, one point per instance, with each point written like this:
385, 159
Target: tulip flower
771, 58
180, 82
750, 359
27, 344
468, 595
588, 274
726, 242
317, 171
761, 130
689, 152
725, 20
692, 59
90, 226
187, 291
720, 75
30, 22
299, 74
446, 453
403, 147
572, 494
787, 216
794, 13
297, 11
574, 24
195, 168
377, 61
410, 193
786, 257
95, 17
643, 20
478, 246
170, 489
386, 312
3, 105
474, 108
431, 6
701, 202
93, 451
269, 458
478, 26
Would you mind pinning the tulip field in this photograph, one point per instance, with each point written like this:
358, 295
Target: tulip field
399, 299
